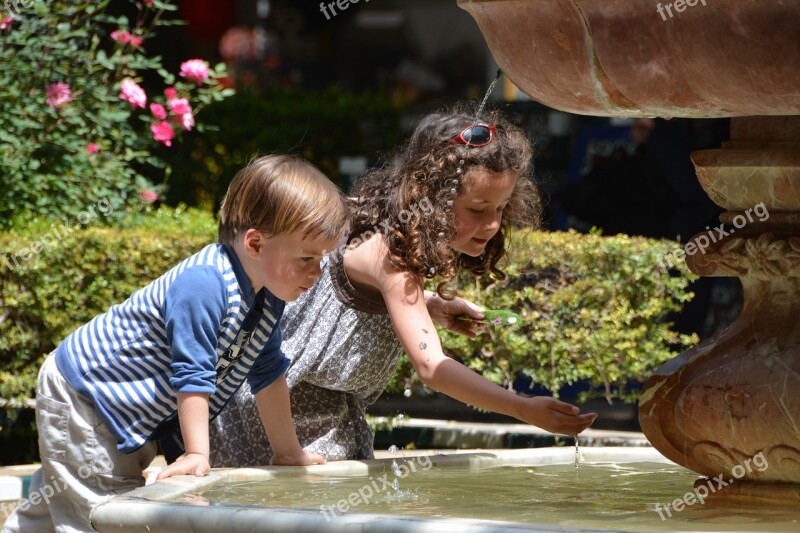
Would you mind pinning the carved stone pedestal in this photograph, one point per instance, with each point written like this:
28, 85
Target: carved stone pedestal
737, 395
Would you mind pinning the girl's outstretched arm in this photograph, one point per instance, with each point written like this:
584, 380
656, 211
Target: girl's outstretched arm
403, 294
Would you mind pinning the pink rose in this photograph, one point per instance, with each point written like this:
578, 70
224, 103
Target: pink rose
136, 41
170, 93
194, 70
158, 111
148, 196
182, 110
186, 121
180, 106
163, 133
121, 36
132, 93
58, 94
92, 148
6, 23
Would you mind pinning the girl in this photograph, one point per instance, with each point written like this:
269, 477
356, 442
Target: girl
444, 202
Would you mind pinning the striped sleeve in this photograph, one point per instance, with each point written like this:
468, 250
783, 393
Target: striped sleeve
194, 307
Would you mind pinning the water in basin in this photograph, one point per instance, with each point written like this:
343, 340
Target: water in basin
619, 496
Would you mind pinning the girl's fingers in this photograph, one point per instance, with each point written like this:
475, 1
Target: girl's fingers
463, 329
579, 424
473, 311
564, 408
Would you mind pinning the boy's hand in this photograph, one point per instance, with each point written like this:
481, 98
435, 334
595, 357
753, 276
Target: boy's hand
445, 313
301, 458
554, 416
189, 463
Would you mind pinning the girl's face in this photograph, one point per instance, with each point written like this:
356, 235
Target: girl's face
479, 208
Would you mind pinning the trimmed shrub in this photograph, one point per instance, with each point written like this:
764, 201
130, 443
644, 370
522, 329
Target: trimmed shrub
593, 309
73, 274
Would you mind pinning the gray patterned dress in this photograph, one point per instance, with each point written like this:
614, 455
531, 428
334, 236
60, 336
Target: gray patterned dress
343, 352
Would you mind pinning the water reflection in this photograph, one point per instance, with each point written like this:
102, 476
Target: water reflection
601, 495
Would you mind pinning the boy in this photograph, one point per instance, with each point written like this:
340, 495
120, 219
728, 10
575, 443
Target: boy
161, 364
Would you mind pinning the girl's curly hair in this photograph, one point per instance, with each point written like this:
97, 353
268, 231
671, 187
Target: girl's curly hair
411, 195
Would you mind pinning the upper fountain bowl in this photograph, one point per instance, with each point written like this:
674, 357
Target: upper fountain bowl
686, 58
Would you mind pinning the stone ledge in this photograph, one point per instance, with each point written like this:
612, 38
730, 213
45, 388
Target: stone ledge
443, 434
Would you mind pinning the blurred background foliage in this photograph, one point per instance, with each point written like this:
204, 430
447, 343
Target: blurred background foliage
320, 126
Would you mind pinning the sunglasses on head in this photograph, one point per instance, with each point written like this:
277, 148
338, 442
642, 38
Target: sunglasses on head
477, 135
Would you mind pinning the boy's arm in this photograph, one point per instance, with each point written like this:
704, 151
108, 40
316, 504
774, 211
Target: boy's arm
193, 416
193, 310
276, 415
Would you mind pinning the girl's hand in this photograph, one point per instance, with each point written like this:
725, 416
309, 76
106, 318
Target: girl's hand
445, 313
189, 463
554, 416
302, 458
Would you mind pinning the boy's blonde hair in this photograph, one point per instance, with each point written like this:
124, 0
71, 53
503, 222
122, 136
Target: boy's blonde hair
280, 194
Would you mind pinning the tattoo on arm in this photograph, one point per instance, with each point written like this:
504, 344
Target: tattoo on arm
422, 346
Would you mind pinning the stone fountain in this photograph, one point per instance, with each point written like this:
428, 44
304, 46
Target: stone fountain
737, 394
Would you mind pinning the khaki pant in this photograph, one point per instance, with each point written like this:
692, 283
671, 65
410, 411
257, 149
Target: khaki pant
81, 466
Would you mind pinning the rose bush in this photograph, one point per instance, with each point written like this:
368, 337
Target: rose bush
77, 126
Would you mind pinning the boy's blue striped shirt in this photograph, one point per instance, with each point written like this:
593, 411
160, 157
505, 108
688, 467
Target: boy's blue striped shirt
181, 333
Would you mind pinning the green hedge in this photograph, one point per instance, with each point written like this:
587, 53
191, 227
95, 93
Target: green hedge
593, 307
45, 295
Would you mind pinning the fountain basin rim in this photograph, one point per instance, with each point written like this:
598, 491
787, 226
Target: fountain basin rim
178, 485
151, 507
